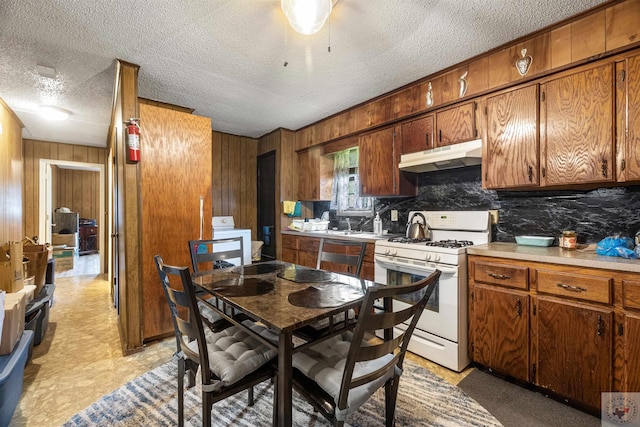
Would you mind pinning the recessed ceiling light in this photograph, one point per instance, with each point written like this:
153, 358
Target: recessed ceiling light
53, 113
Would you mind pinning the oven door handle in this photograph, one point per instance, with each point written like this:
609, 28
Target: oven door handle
384, 261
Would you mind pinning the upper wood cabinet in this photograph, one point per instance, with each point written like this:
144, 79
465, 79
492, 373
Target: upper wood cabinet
628, 100
511, 145
456, 124
378, 165
577, 133
417, 135
315, 177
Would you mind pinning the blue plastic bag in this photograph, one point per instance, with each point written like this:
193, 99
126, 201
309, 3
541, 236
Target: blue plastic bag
616, 246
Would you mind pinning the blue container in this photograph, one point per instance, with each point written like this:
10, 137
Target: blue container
12, 377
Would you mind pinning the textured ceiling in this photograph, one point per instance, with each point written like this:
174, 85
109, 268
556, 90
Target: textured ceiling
225, 58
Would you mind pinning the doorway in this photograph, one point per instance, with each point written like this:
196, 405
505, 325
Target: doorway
267, 204
49, 197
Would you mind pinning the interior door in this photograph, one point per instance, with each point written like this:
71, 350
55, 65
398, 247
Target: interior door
267, 204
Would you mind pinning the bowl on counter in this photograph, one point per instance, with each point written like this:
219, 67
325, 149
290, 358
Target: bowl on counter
535, 240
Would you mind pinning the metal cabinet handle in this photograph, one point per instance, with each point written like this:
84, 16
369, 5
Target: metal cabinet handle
600, 329
571, 287
530, 173
605, 172
426, 139
499, 276
519, 308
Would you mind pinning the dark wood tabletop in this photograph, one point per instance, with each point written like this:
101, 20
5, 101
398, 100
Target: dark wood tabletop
285, 297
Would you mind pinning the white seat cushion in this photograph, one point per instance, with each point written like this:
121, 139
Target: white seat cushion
234, 353
324, 363
207, 312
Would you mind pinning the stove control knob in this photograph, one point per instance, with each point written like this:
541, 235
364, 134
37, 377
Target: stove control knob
436, 258
427, 257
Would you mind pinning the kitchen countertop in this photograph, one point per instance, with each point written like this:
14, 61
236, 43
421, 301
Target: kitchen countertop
331, 234
582, 257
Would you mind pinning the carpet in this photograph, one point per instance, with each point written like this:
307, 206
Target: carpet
424, 399
516, 406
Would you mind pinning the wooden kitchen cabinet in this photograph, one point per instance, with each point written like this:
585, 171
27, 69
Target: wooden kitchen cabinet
511, 155
315, 177
628, 100
378, 165
629, 332
500, 318
417, 134
456, 124
554, 326
574, 349
577, 136
290, 248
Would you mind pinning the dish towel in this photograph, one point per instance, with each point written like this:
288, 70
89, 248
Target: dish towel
291, 208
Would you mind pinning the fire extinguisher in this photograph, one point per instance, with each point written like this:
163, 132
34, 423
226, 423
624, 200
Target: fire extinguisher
133, 140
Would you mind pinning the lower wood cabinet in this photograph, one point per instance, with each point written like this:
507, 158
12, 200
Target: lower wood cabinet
573, 331
574, 355
500, 318
303, 250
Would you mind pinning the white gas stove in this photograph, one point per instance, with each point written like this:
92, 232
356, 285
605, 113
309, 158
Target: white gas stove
441, 333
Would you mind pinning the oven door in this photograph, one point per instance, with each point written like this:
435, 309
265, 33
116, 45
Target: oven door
440, 316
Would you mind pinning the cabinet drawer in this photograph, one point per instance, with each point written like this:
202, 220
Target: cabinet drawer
289, 241
631, 294
309, 244
89, 231
588, 288
513, 276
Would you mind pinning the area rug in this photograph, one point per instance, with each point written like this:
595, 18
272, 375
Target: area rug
424, 399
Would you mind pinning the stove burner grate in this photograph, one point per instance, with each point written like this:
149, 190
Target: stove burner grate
407, 240
450, 243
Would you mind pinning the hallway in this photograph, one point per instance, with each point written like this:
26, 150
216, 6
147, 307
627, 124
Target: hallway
79, 359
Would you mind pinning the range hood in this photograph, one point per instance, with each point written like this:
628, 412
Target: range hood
447, 157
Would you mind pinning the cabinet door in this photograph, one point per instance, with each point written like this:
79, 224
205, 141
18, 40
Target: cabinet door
457, 124
308, 252
632, 159
500, 321
631, 350
376, 163
577, 115
575, 349
512, 143
417, 135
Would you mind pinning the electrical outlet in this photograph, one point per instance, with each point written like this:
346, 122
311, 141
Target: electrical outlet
494, 216
394, 215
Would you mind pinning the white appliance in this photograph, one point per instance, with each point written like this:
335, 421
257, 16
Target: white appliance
441, 333
224, 228
446, 157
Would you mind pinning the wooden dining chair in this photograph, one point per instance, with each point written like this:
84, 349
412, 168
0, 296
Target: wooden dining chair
229, 361
340, 374
347, 253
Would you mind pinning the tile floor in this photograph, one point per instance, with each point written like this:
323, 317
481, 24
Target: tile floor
80, 358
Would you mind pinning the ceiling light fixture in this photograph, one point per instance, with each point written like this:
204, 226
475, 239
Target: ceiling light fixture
53, 113
307, 16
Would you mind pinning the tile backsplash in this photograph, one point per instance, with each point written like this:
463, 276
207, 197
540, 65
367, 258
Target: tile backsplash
593, 214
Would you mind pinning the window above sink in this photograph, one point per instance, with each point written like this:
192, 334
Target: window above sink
345, 194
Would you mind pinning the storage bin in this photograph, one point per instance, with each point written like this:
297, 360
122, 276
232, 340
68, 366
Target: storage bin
12, 377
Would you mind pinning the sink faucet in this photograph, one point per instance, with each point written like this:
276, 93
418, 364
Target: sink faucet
348, 224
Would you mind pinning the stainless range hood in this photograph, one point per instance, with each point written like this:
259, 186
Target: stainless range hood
447, 157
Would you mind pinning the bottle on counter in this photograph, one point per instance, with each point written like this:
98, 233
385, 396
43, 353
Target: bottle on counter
568, 240
377, 225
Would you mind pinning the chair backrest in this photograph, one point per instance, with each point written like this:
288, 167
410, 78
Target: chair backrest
211, 251
345, 252
371, 320
181, 296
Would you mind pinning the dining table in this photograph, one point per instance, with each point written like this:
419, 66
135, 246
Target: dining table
287, 298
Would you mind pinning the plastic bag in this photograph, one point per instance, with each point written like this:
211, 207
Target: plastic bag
616, 246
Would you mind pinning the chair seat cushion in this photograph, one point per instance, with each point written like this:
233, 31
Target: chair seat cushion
324, 363
234, 353
207, 312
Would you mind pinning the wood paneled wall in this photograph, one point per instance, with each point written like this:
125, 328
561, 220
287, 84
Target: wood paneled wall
234, 179
175, 171
79, 190
34, 151
10, 175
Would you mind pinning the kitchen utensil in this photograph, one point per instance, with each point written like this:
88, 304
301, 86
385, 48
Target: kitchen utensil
416, 230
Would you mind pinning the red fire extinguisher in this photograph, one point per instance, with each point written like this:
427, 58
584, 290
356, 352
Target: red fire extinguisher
133, 140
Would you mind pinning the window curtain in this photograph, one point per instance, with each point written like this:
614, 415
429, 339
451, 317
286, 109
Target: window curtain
345, 194
340, 190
